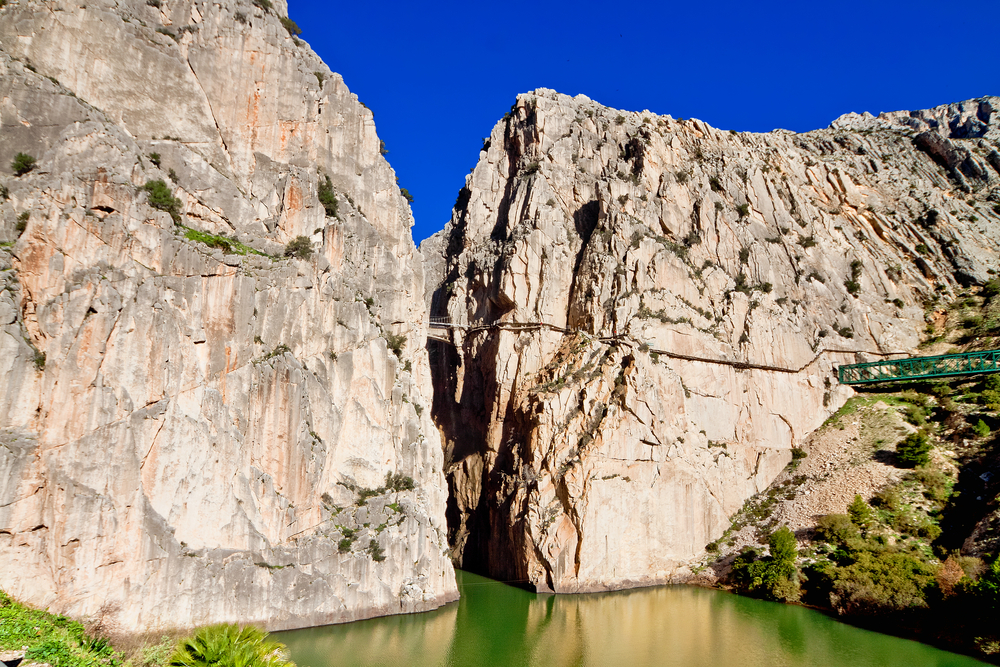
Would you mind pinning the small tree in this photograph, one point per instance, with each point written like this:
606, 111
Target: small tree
22, 164
783, 547
914, 450
860, 513
300, 247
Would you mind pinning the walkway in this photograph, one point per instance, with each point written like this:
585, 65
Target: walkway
913, 368
440, 325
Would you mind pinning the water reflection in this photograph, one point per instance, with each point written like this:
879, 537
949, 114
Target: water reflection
495, 624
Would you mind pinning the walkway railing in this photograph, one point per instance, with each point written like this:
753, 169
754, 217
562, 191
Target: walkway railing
440, 323
913, 368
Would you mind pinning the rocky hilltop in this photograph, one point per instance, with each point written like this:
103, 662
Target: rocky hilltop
646, 313
194, 425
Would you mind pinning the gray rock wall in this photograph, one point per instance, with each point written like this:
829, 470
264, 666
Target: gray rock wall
581, 455
189, 433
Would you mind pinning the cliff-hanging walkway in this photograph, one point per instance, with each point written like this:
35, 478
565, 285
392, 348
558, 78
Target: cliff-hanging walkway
438, 327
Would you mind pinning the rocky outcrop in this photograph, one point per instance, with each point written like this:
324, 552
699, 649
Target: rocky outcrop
647, 312
195, 427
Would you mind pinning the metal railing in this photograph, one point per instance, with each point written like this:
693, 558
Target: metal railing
913, 368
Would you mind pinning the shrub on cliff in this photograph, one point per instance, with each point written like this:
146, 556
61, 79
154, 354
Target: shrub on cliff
290, 25
327, 198
395, 342
22, 164
160, 197
229, 646
300, 247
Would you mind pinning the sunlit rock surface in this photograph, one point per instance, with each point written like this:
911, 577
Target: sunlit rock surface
581, 455
189, 433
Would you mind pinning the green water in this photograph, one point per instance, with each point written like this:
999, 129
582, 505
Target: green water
498, 625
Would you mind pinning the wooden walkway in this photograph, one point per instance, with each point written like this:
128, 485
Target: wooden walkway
439, 327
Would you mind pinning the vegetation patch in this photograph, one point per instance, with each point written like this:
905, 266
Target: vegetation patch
22, 164
300, 247
224, 243
160, 197
290, 25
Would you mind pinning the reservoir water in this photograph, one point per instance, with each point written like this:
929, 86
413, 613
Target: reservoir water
496, 625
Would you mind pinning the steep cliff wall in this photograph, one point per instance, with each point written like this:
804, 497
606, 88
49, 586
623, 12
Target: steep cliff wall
596, 254
193, 426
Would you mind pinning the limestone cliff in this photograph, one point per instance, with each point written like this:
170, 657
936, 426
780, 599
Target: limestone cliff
195, 427
647, 312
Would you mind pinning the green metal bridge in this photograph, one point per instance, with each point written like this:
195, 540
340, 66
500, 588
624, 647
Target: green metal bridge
919, 368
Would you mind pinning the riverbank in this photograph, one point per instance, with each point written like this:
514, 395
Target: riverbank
891, 510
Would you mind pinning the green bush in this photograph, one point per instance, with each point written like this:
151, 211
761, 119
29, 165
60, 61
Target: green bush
837, 529
263, 4
395, 342
860, 513
290, 26
987, 587
376, 552
991, 288
914, 450
160, 197
852, 284
406, 195
22, 164
229, 646
300, 247
22, 222
774, 577
398, 482
155, 158
981, 429
990, 395
879, 581
327, 198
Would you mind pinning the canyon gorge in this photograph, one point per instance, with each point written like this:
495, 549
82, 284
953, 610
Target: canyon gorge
635, 320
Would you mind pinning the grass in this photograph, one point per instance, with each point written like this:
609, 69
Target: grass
52, 639
227, 245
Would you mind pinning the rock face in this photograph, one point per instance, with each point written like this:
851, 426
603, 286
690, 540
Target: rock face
193, 426
651, 311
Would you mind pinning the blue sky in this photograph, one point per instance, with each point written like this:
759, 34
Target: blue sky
439, 75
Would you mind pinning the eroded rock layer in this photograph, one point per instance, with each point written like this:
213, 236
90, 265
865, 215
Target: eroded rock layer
195, 427
646, 314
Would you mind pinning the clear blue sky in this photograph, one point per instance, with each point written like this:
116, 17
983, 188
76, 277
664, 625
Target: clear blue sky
439, 75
